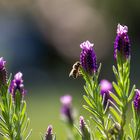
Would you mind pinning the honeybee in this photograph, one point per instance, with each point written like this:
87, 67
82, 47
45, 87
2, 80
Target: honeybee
75, 70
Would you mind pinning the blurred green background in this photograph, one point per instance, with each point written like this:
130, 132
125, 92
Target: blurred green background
41, 39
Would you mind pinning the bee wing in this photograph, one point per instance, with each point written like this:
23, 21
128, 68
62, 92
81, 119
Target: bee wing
71, 73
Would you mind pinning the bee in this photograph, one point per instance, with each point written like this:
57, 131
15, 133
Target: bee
75, 70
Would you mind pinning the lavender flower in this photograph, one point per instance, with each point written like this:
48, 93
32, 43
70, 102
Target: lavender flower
66, 109
88, 57
84, 129
122, 43
82, 123
137, 100
17, 84
3, 72
49, 134
105, 87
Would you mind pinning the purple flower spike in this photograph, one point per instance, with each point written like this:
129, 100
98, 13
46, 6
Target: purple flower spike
82, 123
3, 72
88, 57
84, 129
2, 63
137, 100
17, 84
66, 109
49, 134
105, 87
122, 43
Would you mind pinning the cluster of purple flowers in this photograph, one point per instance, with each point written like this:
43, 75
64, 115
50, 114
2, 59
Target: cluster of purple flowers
122, 43
17, 85
88, 57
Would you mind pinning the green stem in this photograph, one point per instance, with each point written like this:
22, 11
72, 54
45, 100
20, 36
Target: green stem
98, 102
121, 70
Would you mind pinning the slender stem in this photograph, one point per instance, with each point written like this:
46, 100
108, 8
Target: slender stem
99, 106
121, 71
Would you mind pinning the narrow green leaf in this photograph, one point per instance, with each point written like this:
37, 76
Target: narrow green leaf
115, 114
117, 89
86, 77
102, 133
4, 127
134, 114
2, 120
23, 110
115, 72
131, 93
9, 79
99, 70
127, 86
92, 111
26, 125
86, 90
88, 101
29, 134
5, 136
77, 129
131, 131
97, 122
116, 99
23, 121
107, 121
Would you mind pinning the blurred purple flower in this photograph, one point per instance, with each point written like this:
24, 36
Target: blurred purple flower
3, 72
137, 100
49, 134
88, 57
84, 129
82, 123
122, 43
66, 109
105, 87
17, 84
2, 63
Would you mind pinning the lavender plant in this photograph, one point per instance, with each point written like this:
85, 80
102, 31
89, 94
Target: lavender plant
122, 73
108, 107
106, 103
14, 121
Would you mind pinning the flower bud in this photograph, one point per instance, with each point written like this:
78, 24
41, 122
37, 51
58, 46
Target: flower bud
17, 85
84, 129
49, 134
